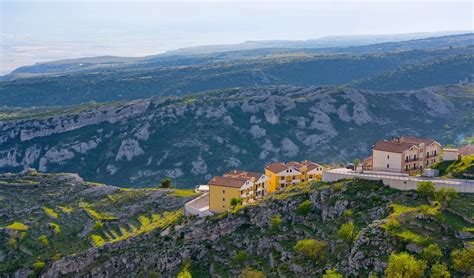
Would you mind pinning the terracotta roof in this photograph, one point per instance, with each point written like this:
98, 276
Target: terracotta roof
243, 174
227, 182
392, 146
466, 150
276, 167
367, 161
310, 164
414, 140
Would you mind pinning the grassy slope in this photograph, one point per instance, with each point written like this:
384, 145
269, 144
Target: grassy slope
214, 243
456, 169
45, 218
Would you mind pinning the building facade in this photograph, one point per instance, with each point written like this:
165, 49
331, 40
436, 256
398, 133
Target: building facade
405, 154
281, 175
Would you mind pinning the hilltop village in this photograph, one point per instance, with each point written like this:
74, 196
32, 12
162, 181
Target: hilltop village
400, 162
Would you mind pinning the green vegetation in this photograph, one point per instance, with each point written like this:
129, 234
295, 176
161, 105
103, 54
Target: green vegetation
432, 253
234, 202
146, 225
404, 265
348, 232
55, 227
304, 208
17, 226
51, 213
426, 189
240, 257
166, 183
43, 240
251, 273
103, 216
332, 273
183, 193
439, 270
275, 221
462, 260
456, 169
311, 249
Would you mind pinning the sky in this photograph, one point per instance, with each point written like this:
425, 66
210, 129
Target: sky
42, 30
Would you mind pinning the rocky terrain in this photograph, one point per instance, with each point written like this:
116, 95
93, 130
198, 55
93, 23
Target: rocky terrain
44, 217
261, 236
191, 138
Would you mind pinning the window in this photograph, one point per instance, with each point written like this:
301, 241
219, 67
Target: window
223, 191
388, 156
388, 165
223, 199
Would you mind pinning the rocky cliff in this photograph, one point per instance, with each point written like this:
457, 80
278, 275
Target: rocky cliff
260, 236
191, 138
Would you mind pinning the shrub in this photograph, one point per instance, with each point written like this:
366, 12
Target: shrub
17, 226
166, 183
240, 257
348, 213
311, 249
98, 225
462, 260
38, 265
55, 227
439, 270
445, 196
98, 240
235, 202
404, 265
275, 221
185, 273
51, 213
43, 240
426, 189
348, 232
332, 273
12, 243
432, 253
66, 209
304, 208
251, 273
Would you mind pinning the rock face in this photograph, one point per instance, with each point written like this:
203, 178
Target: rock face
140, 142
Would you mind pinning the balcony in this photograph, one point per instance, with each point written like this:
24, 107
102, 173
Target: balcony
432, 155
413, 159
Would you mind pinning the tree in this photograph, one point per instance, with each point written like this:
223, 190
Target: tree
275, 221
356, 163
348, 213
251, 273
240, 257
43, 240
404, 265
311, 249
426, 189
462, 260
235, 202
166, 183
432, 253
439, 270
304, 208
185, 273
348, 232
445, 196
332, 273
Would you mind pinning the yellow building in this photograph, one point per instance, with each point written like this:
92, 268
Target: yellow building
223, 189
259, 181
282, 175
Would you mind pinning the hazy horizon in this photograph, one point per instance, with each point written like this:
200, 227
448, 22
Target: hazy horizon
36, 31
